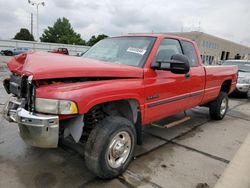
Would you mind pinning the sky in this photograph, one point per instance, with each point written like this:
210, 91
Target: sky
223, 18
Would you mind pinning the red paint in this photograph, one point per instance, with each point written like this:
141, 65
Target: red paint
131, 82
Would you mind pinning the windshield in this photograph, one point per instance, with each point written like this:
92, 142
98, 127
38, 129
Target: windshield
242, 66
131, 51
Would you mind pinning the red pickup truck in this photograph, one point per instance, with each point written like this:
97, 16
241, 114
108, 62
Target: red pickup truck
105, 97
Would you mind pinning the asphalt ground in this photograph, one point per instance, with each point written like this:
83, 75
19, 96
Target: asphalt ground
193, 154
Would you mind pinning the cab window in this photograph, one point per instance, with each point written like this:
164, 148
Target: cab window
168, 48
189, 51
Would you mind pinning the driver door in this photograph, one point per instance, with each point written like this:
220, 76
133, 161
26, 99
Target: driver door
168, 93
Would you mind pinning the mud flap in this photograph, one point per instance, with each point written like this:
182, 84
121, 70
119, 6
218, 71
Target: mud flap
74, 126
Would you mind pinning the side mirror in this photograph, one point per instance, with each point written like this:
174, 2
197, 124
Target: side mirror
178, 64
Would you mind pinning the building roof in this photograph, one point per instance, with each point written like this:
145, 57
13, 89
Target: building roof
198, 33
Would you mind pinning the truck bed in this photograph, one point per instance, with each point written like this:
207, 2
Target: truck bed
215, 77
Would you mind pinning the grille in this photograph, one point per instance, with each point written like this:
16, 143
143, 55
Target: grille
18, 86
21, 88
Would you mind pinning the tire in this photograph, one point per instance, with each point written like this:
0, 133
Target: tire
218, 108
103, 143
9, 53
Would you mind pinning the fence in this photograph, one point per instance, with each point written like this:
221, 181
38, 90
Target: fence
42, 46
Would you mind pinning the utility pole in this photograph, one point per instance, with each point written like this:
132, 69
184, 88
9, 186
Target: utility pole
31, 24
37, 23
37, 4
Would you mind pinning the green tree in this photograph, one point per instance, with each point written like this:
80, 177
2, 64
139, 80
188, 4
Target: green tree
62, 32
24, 34
95, 39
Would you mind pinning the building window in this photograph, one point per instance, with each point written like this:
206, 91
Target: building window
212, 60
204, 44
203, 58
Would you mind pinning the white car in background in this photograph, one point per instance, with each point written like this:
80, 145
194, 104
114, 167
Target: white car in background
243, 82
15, 51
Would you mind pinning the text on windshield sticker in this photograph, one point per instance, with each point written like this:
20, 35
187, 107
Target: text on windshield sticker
136, 50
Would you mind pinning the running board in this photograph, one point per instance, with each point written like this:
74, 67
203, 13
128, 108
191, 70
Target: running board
172, 124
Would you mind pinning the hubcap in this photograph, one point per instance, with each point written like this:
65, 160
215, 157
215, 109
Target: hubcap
223, 106
119, 149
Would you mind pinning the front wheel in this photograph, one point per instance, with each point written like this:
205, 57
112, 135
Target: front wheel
110, 147
218, 108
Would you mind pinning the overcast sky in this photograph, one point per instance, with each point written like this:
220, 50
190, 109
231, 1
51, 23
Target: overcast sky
224, 18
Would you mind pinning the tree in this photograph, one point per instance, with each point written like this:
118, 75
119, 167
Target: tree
24, 34
62, 32
95, 39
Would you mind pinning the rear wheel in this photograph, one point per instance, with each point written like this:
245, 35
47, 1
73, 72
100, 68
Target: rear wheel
219, 107
110, 147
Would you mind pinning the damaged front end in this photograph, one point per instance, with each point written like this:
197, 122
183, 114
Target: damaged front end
37, 126
35, 129
38, 130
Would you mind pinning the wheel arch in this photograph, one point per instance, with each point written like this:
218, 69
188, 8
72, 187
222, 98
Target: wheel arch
226, 86
128, 108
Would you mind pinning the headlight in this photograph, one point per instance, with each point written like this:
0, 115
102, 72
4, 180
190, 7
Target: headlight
52, 106
242, 80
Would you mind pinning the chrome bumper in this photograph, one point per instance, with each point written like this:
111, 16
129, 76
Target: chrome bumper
35, 129
244, 88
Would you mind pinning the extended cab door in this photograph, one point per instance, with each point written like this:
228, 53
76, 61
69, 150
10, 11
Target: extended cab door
168, 93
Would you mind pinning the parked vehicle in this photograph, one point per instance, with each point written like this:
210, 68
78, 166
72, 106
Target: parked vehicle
60, 51
104, 98
243, 82
14, 51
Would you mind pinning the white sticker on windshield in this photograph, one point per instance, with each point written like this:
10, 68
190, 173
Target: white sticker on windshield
136, 50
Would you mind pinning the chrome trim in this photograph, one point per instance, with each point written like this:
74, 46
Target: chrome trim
35, 129
242, 87
119, 149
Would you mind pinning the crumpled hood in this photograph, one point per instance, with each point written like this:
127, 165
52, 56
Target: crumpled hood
43, 65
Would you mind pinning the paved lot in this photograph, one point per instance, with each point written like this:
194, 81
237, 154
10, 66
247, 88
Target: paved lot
191, 155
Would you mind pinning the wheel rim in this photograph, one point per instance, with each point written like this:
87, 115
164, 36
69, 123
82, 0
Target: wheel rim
119, 149
223, 107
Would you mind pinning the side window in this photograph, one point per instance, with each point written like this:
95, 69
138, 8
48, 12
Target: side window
168, 48
189, 51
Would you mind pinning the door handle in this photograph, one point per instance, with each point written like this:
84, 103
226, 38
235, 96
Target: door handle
187, 76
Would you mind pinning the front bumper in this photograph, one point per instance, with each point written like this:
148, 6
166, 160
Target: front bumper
243, 88
38, 130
